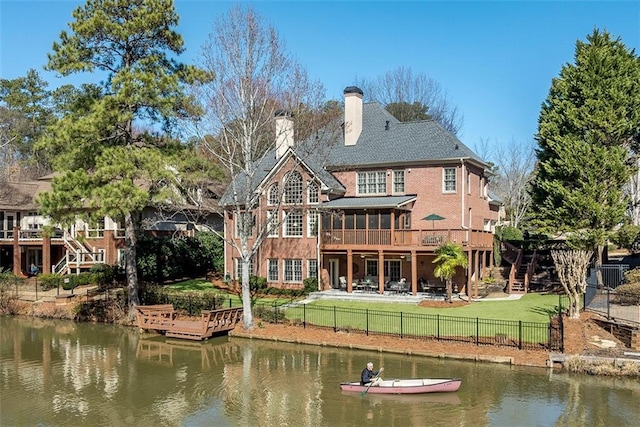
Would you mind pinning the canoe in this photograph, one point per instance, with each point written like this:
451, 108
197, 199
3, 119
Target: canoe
408, 386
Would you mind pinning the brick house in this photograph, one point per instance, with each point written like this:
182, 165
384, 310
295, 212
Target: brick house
28, 238
352, 211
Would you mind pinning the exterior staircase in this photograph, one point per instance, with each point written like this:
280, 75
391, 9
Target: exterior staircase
79, 255
522, 268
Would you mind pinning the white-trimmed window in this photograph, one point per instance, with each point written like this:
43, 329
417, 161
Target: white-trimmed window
313, 195
468, 182
312, 223
312, 268
398, 181
449, 184
293, 224
293, 188
293, 270
95, 229
238, 268
272, 273
274, 195
372, 182
272, 224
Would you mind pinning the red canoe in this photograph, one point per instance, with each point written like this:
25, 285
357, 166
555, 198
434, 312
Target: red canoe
410, 386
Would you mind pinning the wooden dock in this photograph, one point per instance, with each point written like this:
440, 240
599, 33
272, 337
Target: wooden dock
163, 318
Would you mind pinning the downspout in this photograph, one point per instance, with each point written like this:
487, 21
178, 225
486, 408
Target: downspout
224, 246
462, 180
318, 265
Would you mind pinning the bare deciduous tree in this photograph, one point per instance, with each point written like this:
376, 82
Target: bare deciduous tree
632, 190
571, 267
402, 85
254, 79
515, 163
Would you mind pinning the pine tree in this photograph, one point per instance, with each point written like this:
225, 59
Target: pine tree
100, 156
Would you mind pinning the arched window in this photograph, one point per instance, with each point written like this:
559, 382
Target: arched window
312, 192
274, 195
293, 188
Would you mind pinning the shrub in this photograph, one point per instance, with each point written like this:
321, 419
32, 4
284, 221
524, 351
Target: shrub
104, 274
310, 285
161, 258
632, 276
192, 302
509, 232
628, 294
8, 296
81, 279
269, 314
50, 281
257, 284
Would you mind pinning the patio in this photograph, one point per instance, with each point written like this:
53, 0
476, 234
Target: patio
388, 296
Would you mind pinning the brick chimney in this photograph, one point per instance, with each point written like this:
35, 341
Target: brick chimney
284, 132
352, 114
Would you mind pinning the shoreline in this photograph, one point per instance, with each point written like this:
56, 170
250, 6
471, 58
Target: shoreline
576, 358
395, 345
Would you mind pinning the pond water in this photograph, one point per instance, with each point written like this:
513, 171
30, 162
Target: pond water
60, 373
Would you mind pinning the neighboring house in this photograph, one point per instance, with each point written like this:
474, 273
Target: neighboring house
353, 210
27, 238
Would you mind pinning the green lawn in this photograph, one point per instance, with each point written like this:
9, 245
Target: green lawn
517, 321
193, 285
529, 308
522, 321
204, 286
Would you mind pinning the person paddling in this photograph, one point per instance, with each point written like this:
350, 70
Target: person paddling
369, 375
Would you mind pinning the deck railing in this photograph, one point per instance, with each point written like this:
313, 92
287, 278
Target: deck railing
473, 238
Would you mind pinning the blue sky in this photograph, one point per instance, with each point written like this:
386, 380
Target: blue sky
495, 59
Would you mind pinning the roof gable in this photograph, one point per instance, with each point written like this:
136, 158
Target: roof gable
384, 141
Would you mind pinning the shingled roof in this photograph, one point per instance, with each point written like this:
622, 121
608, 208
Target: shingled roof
384, 141
22, 195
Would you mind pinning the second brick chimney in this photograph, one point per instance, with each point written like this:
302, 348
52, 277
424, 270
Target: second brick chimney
352, 114
284, 132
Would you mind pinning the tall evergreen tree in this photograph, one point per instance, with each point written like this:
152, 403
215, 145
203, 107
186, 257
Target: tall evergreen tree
101, 157
588, 132
25, 111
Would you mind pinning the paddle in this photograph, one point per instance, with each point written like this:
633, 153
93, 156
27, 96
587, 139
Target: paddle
363, 392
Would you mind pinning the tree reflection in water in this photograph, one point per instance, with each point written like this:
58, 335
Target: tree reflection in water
63, 373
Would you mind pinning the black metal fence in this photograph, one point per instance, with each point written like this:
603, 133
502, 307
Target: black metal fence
603, 298
477, 331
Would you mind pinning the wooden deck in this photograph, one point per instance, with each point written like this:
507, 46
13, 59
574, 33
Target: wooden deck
163, 318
